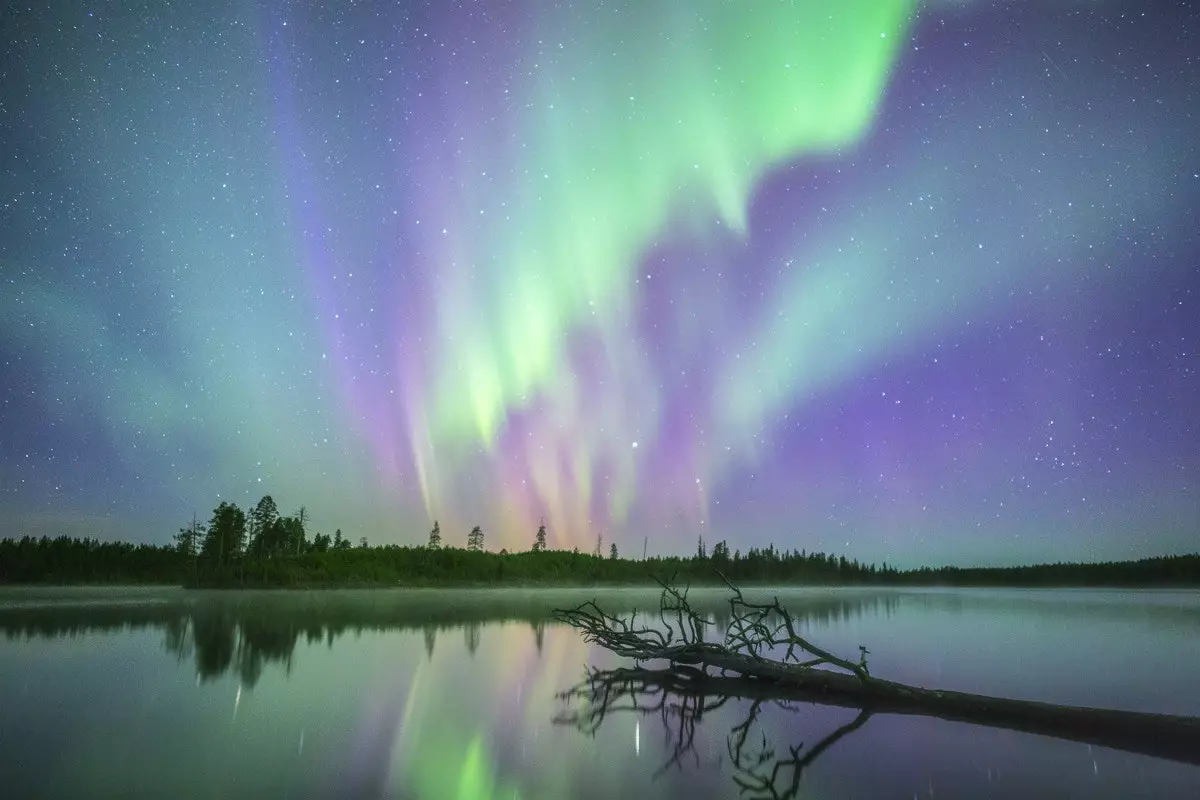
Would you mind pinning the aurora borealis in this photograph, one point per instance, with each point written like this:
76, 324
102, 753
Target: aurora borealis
904, 281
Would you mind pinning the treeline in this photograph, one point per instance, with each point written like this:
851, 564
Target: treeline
261, 547
233, 535
74, 561
1159, 571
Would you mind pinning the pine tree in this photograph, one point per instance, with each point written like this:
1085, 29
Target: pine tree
539, 543
301, 518
599, 551
475, 539
720, 552
612, 552
435, 536
263, 530
188, 539
226, 534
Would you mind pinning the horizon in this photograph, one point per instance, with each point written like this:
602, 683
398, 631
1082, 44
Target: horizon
911, 282
449, 542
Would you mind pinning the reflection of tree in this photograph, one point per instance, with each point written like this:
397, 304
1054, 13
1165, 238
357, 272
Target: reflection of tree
645, 693
225, 643
177, 638
430, 640
263, 640
539, 634
759, 772
824, 610
231, 633
215, 641
680, 705
472, 632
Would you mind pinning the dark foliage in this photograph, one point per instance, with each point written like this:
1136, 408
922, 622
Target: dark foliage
265, 548
66, 560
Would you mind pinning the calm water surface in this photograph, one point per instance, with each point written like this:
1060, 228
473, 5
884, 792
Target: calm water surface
435, 694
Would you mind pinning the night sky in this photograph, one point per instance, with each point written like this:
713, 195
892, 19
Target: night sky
915, 283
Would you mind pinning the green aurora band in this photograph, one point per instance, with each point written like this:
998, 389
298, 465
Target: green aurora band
656, 116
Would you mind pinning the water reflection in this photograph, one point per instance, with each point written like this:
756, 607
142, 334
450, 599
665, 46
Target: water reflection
220, 642
430, 694
757, 768
242, 633
683, 697
430, 633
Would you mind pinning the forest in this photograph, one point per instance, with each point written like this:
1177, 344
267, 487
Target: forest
263, 548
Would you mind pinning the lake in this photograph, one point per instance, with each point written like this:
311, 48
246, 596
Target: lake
429, 694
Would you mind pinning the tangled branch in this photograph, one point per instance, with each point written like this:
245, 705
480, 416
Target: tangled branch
682, 702
759, 627
756, 629
685, 690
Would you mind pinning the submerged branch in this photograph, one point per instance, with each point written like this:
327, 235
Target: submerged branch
742, 668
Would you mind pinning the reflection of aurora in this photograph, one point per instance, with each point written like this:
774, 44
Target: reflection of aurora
444, 694
476, 712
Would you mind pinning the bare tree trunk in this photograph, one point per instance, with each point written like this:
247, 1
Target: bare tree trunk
806, 672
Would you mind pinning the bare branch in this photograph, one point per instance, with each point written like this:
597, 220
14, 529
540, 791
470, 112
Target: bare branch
683, 691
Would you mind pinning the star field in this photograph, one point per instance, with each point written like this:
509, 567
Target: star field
914, 282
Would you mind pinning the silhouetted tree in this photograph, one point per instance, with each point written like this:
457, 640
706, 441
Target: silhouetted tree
222, 543
264, 532
435, 536
720, 552
226, 533
188, 542
475, 539
289, 534
598, 551
188, 539
301, 517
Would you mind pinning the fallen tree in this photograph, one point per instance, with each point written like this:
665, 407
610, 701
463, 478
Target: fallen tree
763, 658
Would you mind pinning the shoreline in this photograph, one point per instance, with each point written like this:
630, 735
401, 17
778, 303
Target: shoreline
516, 584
